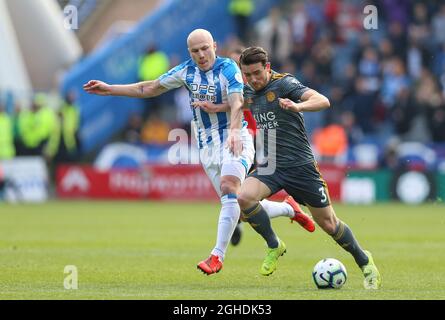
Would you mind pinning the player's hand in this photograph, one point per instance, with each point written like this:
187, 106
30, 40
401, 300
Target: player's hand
288, 104
207, 106
97, 87
234, 142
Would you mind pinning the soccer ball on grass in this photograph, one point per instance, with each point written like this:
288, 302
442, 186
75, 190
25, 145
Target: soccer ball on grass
329, 273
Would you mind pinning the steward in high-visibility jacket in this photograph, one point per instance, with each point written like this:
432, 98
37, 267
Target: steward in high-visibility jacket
67, 147
7, 148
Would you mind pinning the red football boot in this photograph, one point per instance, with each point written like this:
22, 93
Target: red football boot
210, 265
302, 218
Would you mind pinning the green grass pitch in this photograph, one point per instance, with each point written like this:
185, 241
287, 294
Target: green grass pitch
146, 250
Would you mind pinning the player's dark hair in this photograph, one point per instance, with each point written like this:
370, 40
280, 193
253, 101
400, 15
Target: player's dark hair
254, 55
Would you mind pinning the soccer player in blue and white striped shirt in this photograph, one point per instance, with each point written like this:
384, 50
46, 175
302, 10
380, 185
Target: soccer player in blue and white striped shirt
226, 148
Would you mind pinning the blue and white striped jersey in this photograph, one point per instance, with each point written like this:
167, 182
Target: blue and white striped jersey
214, 85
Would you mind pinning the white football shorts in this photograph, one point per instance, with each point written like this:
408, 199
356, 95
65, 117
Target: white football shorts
218, 161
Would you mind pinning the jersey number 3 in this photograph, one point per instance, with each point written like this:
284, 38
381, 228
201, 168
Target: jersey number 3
323, 194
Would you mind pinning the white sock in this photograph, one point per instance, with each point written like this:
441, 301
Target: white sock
228, 219
277, 209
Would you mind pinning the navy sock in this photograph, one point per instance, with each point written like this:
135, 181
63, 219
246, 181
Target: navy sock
259, 220
345, 238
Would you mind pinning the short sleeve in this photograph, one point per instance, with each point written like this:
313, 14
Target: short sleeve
174, 78
234, 78
293, 89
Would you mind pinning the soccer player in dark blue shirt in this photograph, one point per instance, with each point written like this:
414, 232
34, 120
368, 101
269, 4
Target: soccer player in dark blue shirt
277, 102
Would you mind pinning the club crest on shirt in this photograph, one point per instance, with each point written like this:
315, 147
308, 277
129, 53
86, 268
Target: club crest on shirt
270, 96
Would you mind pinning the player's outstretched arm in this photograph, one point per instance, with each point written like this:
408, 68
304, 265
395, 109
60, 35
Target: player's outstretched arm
311, 101
144, 89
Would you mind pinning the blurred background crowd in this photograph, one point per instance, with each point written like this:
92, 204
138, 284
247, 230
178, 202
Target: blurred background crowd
386, 85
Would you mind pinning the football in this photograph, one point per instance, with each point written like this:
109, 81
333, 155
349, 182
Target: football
329, 273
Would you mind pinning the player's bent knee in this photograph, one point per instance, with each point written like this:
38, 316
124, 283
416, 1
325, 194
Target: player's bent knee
327, 223
229, 188
230, 185
246, 201
325, 218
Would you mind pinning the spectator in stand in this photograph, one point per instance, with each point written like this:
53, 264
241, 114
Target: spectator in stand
353, 132
373, 79
403, 112
241, 10
347, 80
438, 25
30, 142
362, 105
394, 80
153, 64
437, 123
390, 158
7, 148
386, 52
364, 42
337, 98
411, 110
298, 23
308, 74
309, 77
419, 28
430, 103
133, 130
332, 11
331, 143
322, 54
274, 36
18, 144
48, 126
349, 23
416, 58
369, 69
398, 38
439, 64
66, 146
299, 55
315, 12
155, 130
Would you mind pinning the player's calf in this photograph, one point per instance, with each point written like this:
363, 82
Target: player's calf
327, 222
345, 238
257, 217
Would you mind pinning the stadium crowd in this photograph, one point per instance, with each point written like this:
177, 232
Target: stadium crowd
384, 84
41, 130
